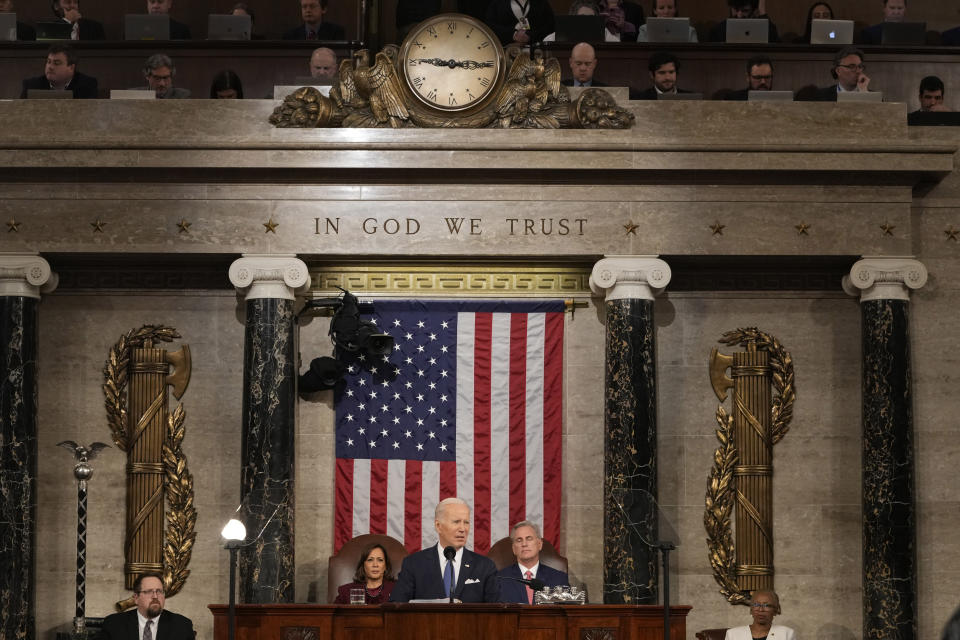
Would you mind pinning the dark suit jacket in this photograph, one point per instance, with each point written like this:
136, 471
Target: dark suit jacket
501, 19
123, 626
872, 34
420, 578
513, 591
826, 94
83, 86
650, 93
594, 83
950, 37
719, 32
326, 31
739, 94
179, 31
25, 31
90, 30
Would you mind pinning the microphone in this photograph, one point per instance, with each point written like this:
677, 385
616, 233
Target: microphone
450, 553
533, 583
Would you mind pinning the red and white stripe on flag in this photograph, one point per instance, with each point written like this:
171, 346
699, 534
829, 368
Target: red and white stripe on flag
469, 404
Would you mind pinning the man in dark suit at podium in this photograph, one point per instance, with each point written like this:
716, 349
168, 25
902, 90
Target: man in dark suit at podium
428, 574
527, 544
149, 621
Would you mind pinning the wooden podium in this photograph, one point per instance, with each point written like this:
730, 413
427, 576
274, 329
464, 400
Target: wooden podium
449, 622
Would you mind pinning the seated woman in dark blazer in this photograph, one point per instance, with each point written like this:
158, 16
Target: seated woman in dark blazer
374, 575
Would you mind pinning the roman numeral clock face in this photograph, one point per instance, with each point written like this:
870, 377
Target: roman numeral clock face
452, 62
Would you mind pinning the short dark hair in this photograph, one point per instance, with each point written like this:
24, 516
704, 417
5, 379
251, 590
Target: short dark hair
932, 83
758, 60
361, 576
244, 7
734, 4
885, 2
224, 80
156, 61
66, 50
139, 581
660, 58
676, 8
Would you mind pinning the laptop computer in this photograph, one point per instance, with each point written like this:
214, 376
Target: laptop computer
143, 26
133, 94
48, 94
228, 27
831, 32
668, 29
748, 30
860, 96
680, 96
770, 96
579, 28
53, 30
903, 33
8, 26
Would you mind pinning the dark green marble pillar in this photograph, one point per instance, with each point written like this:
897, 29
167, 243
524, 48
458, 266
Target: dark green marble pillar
21, 276
269, 409
630, 443
889, 508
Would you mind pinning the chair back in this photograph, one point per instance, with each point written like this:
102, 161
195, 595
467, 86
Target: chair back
502, 555
343, 565
712, 634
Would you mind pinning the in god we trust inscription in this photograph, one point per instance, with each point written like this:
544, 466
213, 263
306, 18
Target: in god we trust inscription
453, 226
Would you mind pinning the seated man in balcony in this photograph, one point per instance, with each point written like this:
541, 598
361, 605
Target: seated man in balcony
527, 544
931, 95
583, 64
743, 9
60, 72
178, 30
664, 70
83, 28
323, 65
159, 72
848, 70
314, 27
893, 11
759, 78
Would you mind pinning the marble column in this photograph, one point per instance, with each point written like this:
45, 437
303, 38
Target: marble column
268, 283
22, 278
630, 284
889, 509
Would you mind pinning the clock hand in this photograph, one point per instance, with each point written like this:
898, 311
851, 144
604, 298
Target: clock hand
453, 64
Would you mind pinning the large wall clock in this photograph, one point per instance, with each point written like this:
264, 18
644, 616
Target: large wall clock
452, 63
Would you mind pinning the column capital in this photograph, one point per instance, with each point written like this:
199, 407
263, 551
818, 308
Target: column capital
885, 278
26, 275
629, 277
274, 275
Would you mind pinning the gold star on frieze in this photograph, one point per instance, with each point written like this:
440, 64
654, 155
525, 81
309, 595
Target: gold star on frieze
951, 233
98, 225
184, 225
887, 228
802, 229
717, 228
271, 226
631, 227
13, 226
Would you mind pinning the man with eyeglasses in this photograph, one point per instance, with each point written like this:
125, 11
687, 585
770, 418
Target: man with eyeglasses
159, 72
764, 605
759, 78
149, 621
848, 70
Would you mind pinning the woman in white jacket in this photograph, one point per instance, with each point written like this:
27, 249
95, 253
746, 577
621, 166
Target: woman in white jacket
763, 607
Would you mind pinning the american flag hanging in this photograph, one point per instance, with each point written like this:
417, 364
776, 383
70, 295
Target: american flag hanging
468, 404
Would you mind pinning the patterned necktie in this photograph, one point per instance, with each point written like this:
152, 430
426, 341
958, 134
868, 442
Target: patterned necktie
147, 633
529, 576
311, 34
448, 578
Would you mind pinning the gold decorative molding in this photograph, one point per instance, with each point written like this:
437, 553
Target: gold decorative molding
481, 280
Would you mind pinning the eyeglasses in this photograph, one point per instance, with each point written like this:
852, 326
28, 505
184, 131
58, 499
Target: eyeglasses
151, 592
761, 77
154, 76
763, 605
853, 67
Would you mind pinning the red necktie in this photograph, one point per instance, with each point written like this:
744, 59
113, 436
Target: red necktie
529, 576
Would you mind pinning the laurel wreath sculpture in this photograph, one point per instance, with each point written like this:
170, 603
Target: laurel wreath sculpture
720, 487
181, 515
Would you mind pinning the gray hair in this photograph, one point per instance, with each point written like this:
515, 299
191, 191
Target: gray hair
158, 60
446, 502
526, 523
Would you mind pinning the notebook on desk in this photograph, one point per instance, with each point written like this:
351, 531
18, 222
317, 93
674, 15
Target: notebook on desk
8, 26
668, 29
831, 32
579, 28
53, 30
770, 96
143, 26
903, 33
748, 30
49, 94
228, 27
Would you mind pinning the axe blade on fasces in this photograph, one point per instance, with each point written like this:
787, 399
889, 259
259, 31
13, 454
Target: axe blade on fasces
719, 364
180, 377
